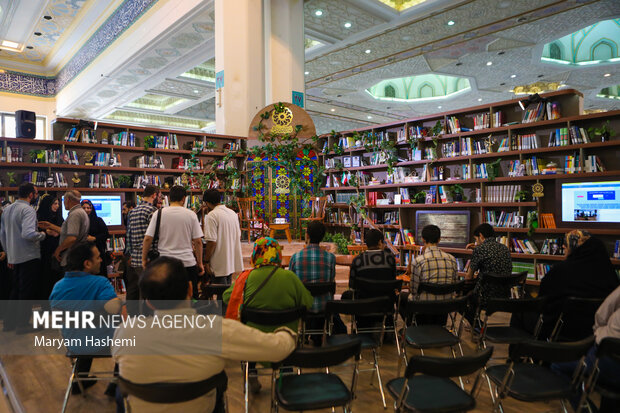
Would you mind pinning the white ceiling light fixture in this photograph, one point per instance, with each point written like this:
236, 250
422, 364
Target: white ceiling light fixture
513, 76
10, 45
479, 99
333, 110
367, 51
489, 63
451, 23
318, 13
306, 73
196, 91
607, 74
438, 107
369, 117
347, 25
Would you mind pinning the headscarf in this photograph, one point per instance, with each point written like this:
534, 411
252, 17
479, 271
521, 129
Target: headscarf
45, 213
266, 251
92, 217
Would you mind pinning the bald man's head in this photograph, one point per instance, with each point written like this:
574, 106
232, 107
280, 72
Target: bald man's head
165, 283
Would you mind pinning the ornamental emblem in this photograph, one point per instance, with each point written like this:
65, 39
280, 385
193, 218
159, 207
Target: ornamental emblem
282, 121
283, 183
537, 190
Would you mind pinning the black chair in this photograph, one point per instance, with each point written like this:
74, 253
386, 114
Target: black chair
381, 307
609, 348
210, 290
383, 288
572, 308
77, 377
530, 382
268, 318
313, 391
433, 391
496, 282
316, 289
506, 334
169, 393
441, 289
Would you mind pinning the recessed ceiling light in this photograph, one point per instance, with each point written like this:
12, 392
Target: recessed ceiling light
451, 23
196, 91
333, 110
318, 13
607, 74
479, 99
369, 117
37, 33
489, 63
29, 47
347, 25
306, 73
47, 17
438, 107
513, 76
8, 43
406, 37
367, 51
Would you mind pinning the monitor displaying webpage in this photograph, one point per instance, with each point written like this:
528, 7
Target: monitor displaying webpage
108, 207
591, 202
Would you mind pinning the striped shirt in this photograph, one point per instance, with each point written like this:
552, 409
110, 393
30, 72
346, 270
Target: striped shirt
433, 266
137, 223
312, 264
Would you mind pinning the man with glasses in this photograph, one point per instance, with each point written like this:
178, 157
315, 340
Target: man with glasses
138, 221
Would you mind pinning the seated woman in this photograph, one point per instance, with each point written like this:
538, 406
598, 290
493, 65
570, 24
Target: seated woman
587, 272
268, 286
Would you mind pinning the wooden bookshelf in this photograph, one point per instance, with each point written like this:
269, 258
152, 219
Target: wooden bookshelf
571, 115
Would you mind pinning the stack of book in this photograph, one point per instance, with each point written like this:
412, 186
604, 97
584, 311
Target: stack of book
503, 219
123, 139
501, 193
481, 121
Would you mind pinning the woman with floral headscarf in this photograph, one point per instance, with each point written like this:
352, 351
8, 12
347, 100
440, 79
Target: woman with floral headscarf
282, 290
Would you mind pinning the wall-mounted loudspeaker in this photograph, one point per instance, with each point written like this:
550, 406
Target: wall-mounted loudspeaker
25, 124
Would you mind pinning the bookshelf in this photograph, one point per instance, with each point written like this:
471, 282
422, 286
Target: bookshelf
464, 157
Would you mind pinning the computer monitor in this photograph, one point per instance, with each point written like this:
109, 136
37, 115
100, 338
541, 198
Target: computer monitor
586, 202
108, 207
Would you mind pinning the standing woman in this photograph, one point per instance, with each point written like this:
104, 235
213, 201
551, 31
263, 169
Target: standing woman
49, 211
97, 233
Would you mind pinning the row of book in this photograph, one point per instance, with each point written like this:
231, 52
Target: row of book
519, 142
503, 219
536, 112
11, 154
501, 193
150, 161
472, 147
165, 142
568, 136
123, 139
58, 157
481, 121
41, 178
100, 181
84, 135
384, 217
141, 181
115, 244
107, 159
183, 163
419, 132
535, 272
454, 125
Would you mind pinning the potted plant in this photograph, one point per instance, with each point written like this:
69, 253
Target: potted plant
123, 181
11, 176
149, 142
420, 197
605, 131
36, 155
456, 192
210, 146
341, 243
328, 243
493, 169
521, 196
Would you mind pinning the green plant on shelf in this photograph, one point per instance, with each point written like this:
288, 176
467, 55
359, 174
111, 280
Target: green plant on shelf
338, 149
532, 222
493, 169
605, 131
522, 196
149, 142
210, 146
12, 180
457, 193
123, 181
419, 197
36, 155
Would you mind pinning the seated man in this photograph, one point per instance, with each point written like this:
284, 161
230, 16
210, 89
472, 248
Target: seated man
79, 290
312, 264
489, 257
269, 287
198, 353
377, 263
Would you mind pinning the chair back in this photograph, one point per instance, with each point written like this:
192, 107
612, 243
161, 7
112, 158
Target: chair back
609, 347
448, 367
169, 393
376, 288
271, 317
436, 306
440, 289
581, 306
246, 208
509, 305
356, 249
321, 288
364, 306
553, 352
317, 207
325, 356
516, 278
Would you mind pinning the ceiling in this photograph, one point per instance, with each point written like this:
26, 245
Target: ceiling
496, 45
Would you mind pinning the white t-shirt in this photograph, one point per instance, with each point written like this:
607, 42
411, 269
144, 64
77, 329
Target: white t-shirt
222, 226
179, 226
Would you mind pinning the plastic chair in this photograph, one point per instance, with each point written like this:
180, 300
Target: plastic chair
610, 348
433, 391
441, 289
169, 393
531, 382
313, 391
269, 318
575, 306
317, 289
369, 307
499, 282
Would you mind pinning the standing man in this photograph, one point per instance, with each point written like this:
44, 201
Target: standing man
138, 220
223, 235
74, 229
20, 239
179, 236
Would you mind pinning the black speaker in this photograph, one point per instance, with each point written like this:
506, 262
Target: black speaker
25, 124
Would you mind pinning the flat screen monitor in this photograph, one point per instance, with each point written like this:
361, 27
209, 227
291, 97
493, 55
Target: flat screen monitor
590, 202
454, 226
108, 207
